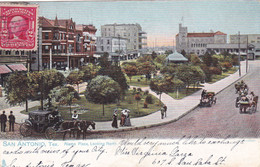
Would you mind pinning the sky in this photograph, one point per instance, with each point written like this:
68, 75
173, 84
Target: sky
160, 19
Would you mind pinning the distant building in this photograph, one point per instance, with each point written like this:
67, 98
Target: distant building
115, 47
197, 42
244, 38
133, 32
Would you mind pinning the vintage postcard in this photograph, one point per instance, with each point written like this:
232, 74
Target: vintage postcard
129, 83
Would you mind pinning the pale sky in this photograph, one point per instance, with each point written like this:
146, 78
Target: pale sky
160, 19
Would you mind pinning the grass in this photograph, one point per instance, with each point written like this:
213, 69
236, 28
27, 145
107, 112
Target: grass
216, 78
94, 112
182, 93
138, 81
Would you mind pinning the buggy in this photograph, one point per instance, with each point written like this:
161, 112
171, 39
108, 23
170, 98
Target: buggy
208, 99
248, 106
40, 121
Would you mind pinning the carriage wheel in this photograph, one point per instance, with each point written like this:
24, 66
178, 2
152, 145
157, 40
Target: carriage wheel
25, 129
50, 133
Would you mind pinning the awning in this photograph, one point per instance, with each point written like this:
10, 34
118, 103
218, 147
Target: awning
17, 67
4, 69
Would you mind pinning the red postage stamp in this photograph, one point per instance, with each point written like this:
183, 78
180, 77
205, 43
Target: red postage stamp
19, 25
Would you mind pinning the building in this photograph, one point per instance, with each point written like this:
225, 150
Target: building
137, 39
244, 38
197, 42
115, 47
228, 47
65, 44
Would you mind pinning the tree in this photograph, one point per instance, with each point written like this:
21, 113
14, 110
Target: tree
145, 58
183, 53
167, 52
44, 81
137, 98
160, 84
146, 68
207, 59
17, 89
89, 72
75, 77
65, 95
103, 90
130, 71
117, 75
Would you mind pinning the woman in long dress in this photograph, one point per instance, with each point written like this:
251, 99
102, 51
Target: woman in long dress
127, 121
114, 123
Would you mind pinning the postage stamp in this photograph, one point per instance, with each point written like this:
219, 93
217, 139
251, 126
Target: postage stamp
18, 27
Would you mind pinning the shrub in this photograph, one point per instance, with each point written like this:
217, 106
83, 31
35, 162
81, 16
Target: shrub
138, 80
215, 70
129, 100
146, 92
139, 90
149, 99
145, 105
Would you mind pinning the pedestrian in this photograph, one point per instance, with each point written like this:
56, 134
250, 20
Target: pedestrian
3, 119
123, 117
11, 118
114, 120
75, 116
165, 109
127, 120
162, 112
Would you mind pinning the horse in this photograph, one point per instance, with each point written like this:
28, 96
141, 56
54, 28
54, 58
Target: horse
86, 125
71, 126
252, 105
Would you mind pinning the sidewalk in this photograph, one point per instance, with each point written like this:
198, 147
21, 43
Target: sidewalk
176, 108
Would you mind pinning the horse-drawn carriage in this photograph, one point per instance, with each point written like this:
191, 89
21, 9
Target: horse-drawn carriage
247, 105
208, 99
44, 122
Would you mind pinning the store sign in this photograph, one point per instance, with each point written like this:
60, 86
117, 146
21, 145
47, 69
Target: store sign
19, 25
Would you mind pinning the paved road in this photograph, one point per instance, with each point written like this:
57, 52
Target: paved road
219, 121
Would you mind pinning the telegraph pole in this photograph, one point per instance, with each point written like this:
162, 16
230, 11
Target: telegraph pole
239, 57
246, 53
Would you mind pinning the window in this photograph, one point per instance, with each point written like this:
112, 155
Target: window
7, 52
108, 41
46, 35
102, 48
0, 52
17, 52
56, 36
22, 52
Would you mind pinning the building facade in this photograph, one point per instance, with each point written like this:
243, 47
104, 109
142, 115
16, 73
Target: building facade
137, 39
197, 42
111, 45
65, 44
244, 38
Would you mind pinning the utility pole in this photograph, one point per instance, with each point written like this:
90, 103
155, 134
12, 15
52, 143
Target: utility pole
239, 57
246, 53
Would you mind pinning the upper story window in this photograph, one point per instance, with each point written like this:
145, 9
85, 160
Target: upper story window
46, 35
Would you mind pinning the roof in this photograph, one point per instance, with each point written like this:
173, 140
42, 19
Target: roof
203, 34
226, 46
176, 57
17, 67
51, 23
4, 69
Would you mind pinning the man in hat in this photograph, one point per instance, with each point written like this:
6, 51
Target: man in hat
11, 118
3, 120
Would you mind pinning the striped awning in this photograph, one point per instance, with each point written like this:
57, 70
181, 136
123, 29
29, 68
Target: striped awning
4, 69
17, 67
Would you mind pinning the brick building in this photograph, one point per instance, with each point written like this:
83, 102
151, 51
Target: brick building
65, 44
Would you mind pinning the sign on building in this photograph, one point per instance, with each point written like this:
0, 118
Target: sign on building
19, 25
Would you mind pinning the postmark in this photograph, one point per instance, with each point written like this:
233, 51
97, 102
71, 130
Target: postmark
19, 25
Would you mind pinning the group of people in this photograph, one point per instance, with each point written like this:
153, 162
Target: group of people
125, 118
242, 89
3, 119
